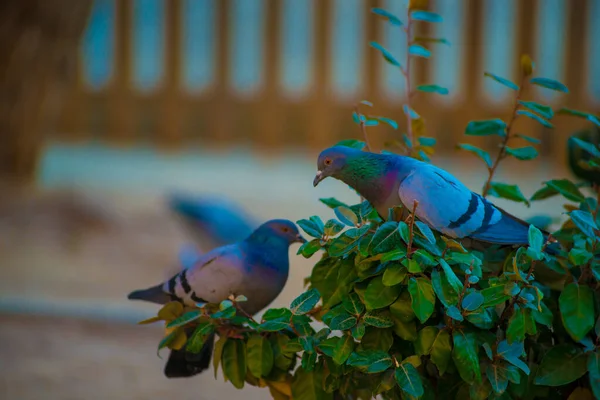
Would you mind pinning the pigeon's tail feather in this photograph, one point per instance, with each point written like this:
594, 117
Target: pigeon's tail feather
183, 364
508, 230
155, 294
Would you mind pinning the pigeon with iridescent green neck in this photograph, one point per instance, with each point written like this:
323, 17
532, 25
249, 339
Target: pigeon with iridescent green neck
444, 203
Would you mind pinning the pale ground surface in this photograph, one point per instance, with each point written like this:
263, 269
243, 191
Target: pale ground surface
80, 254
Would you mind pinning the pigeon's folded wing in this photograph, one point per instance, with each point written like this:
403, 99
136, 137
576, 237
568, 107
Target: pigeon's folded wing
445, 204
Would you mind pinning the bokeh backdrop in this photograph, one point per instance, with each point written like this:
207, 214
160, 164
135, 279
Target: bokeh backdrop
111, 105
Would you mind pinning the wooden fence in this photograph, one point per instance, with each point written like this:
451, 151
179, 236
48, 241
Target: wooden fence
172, 117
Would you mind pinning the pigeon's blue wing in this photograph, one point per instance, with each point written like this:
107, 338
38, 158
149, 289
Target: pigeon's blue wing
188, 256
219, 218
448, 206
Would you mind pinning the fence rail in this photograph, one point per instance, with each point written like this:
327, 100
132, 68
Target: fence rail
484, 35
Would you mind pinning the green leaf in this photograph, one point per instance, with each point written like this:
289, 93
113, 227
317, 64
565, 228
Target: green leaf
387, 15
377, 339
516, 327
484, 155
528, 138
346, 215
426, 231
378, 295
585, 222
506, 191
563, 186
423, 297
196, 341
443, 290
451, 276
308, 385
343, 349
580, 114
593, 367
576, 305
409, 380
218, 353
388, 121
185, 318
380, 364
427, 141
386, 54
402, 308
410, 113
260, 356
433, 89
394, 274
497, 374
522, 153
544, 111
535, 117
465, 356
441, 351
373, 361
342, 322
544, 317
512, 353
311, 227
234, 362
378, 319
561, 365
586, 146
309, 248
454, 313
385, 239
405, 330
494, 295
536, 239
305, 302
486, 127
347, 241
332, 202
353, 305
472, 301
425, 16
425, 339
423, 39
419, 51
502, 81
549, 84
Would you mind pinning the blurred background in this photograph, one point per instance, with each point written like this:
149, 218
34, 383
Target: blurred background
109, 107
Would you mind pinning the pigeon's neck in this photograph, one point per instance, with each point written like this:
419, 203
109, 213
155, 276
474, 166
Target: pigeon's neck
374, 176
269, 252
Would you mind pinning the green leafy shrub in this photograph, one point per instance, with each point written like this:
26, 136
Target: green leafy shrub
395, 309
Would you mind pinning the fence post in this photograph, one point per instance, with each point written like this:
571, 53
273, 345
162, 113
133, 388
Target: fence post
122, 110
170, 132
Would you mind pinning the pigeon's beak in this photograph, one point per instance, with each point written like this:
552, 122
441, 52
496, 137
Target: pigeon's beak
318, 178
300, 239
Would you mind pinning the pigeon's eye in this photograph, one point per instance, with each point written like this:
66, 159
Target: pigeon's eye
285, 229
327, 161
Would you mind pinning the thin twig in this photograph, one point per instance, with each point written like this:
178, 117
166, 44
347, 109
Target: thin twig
532, 266
363, 128
502, 151
411, 229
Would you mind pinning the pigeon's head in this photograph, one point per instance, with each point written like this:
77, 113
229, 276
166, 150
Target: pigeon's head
332, 161
280, 229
